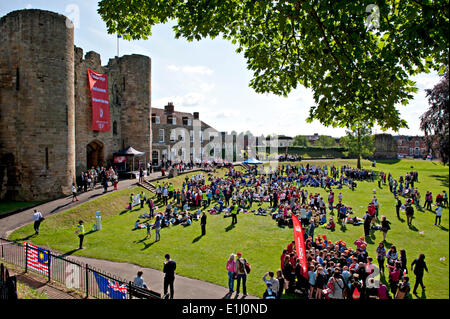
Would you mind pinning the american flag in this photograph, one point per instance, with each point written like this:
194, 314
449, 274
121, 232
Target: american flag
37, 259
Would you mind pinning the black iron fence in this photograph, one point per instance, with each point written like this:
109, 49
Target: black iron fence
8, 284
87, 280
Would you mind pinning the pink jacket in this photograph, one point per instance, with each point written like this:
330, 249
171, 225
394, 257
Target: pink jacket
231, 265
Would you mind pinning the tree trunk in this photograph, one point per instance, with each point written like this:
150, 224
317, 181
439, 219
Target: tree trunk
358, 164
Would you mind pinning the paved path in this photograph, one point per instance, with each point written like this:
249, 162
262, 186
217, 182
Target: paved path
185, 288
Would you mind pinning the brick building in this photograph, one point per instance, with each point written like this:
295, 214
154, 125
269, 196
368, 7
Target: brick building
411, 146
170, 128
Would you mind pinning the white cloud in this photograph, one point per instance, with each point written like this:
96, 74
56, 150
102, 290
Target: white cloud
188, 100
200, 69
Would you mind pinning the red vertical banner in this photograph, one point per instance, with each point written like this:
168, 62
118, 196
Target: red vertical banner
98, 86
300, 245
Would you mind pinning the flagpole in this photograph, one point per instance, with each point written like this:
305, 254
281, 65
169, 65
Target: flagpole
117, 45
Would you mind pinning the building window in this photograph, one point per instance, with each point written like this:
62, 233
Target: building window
161, 135
174, 121
172, 135
417, 143
411, 151
155, 157
189, 122
157, 120
115, 128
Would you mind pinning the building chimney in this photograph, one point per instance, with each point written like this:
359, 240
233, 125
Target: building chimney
196, 116
169, 108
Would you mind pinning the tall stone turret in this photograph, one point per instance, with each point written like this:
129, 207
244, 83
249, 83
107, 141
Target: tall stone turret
132, 77
37, 135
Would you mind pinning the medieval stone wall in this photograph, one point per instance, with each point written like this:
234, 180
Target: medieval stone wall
36, 105
107, 141
385, 147
131, 80
46, 111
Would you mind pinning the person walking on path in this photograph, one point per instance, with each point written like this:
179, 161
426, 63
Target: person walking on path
203, 223
80, 233
74, 193
241, 274
37, 217
418, 266
169, 278
138, 281
231, 268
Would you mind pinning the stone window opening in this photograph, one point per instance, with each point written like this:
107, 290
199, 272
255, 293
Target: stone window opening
17, 79
115, 128
46, 158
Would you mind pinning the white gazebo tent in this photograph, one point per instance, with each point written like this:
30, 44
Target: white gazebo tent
129, 151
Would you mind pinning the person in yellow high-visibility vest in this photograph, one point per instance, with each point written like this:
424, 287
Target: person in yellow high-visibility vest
234, 212
130, 202
170, 190
80, 233
204, 199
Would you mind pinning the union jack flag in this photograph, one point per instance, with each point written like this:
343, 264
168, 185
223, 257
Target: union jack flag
113, 289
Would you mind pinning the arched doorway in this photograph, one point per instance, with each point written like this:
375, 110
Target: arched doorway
95, 155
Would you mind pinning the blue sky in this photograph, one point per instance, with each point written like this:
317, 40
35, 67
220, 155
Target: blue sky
209, 77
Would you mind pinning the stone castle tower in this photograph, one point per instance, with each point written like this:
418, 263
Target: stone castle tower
46, 136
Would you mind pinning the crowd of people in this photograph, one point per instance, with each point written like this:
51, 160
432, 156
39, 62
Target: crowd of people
335, 270
100, 175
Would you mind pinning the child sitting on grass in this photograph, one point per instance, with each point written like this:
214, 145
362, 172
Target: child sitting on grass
331, 224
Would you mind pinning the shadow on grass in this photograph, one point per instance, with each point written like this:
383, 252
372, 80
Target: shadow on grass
343, 228
196, 239
422, 296
443, 179
413, 228
146, 246
24, 238
59, 207
68, 253
443, 228
401, 219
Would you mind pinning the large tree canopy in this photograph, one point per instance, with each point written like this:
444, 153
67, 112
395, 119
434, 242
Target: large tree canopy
357, 57
435, 121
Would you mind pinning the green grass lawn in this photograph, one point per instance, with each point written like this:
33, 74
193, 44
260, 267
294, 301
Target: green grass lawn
10, 206
258, 237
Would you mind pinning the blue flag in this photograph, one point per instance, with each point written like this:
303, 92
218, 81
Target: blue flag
113, 289
119, 36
